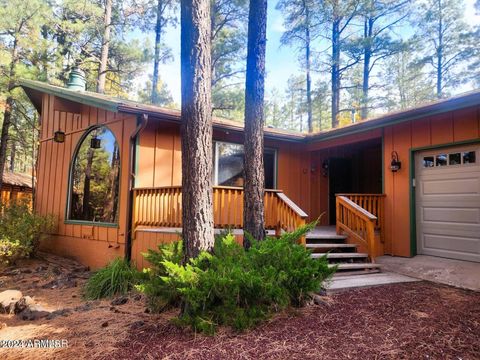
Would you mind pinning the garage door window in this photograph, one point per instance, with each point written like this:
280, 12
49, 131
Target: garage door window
452, 159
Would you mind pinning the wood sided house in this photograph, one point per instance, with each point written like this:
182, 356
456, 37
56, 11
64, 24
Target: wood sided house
404, 183
16, 186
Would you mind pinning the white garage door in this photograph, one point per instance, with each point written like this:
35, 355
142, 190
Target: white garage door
448, 202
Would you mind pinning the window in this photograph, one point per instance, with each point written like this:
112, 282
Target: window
454, 159
469, 157
228, 165
95, 177
441, 160
428, 161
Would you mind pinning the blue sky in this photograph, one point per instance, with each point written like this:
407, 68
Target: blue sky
281, 61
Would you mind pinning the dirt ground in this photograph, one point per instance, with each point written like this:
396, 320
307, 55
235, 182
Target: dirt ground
419, 320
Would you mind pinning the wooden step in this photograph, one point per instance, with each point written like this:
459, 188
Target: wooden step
356, 266
314, 236
331, 246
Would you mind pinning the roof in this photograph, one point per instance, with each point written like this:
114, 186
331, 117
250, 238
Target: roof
35, 88
17, 179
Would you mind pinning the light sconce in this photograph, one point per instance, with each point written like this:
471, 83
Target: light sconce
95, 143
325, 168
396, 164
59, 136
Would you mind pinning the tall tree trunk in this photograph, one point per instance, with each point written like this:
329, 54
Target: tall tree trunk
440, 52
196, 127
367, 55
13, 151
253, 209
156, 59
335, 72
307, 70
102, 70
7, 112
86, 210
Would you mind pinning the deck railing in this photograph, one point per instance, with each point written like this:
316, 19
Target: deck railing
375, 205
356, 222
162, 207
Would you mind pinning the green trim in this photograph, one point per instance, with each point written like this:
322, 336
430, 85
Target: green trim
69, 188
85, 98
413, 216
91, 223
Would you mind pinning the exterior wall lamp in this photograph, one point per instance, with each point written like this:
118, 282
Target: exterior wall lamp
396, 164
325, 168
95, 143
59, 136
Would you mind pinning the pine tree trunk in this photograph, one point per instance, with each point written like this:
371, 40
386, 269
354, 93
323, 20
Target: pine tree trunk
335, 72
253, 209
13, 151
367, 55
196, 127
440, 53
102, 70
86, 213
7, 112
156, 59
309, 79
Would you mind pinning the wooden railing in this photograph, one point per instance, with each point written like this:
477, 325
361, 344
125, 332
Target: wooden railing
162, 207
375, 205
357, 223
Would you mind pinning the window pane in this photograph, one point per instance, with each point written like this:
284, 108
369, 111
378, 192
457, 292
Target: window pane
95, 178
428, 161
230, 164
469, 157
441, 160
454, 159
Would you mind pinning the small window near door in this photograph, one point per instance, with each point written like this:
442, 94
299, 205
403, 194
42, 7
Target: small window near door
441, 160
454, 159
428, 162
469, 157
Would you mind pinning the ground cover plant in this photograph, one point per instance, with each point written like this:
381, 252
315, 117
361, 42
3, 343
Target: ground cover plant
20, 231
232, 286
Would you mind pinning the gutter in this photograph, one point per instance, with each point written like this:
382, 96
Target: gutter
142, 121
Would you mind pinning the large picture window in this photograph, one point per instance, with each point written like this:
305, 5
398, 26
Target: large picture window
95, 177
228, 165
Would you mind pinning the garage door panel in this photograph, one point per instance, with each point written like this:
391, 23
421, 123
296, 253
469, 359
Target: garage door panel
451, 215
448, 204
454, 186
451, 243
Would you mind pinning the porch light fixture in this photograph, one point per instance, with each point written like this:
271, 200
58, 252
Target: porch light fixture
59, 136
396, 164
95, 143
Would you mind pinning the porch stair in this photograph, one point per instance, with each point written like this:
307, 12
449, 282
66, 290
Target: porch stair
325, 241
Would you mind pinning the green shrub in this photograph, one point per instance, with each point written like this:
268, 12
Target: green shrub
20, 231
234, 287
117, 278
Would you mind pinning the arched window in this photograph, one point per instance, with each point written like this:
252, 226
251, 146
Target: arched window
95, 177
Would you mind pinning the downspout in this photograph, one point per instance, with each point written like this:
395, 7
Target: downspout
141, 124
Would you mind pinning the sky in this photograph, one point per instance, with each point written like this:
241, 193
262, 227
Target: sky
281, 61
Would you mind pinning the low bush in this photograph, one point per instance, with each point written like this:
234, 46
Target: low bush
20, 231
231, 286
117, 278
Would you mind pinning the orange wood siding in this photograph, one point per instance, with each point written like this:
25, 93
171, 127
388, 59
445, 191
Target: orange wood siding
87, 243
443, 129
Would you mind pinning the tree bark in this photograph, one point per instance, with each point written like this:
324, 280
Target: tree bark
13, 151
307, 70
7, 113
253, 210
86, 210
367, 55
196, 127
440, 52
102, 70
156, 59
335, 72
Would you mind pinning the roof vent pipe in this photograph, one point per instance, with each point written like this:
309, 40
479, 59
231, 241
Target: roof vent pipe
76, 80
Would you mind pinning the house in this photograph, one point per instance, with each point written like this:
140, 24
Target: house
404, 183
16, 186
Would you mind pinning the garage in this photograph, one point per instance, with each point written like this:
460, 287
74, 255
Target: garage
447, 196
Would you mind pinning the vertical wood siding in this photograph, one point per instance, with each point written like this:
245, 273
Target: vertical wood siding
90, 244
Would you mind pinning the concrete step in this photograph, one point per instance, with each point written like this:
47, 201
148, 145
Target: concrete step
346, 255
356, 266
313, 236
331, 246
356, 272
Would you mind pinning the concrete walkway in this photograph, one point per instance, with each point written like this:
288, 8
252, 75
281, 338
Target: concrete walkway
350, 282
462, 274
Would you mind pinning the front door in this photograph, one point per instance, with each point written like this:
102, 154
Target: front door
339, 182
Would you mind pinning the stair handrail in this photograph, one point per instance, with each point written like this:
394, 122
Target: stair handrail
357, 222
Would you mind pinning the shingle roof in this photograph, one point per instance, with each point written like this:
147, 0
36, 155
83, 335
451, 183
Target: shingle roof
17, 179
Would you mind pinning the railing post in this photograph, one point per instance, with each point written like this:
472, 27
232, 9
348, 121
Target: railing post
371, 240
337, 213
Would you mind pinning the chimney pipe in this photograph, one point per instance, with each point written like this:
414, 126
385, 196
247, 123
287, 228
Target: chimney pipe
76, 79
